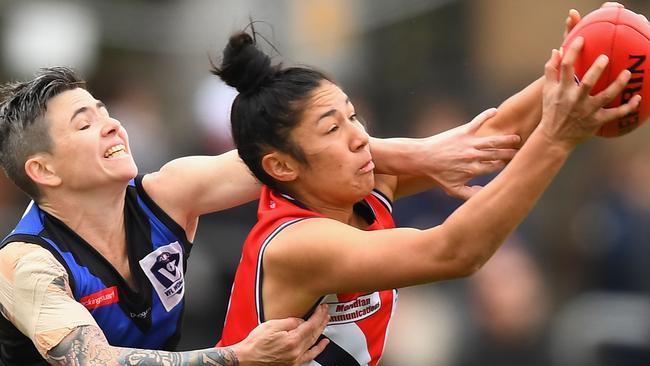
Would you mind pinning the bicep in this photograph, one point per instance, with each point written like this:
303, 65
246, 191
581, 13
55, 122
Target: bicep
323, 256
192, 186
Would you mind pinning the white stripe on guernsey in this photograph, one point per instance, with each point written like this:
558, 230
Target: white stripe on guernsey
349, 337
258, 289
392, 314
29, 207
383, 200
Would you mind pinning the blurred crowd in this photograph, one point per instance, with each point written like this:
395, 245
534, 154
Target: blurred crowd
572, 284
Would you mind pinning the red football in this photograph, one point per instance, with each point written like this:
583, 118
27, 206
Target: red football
624, 37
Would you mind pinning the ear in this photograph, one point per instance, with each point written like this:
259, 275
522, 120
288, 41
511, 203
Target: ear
39, 169
280, 166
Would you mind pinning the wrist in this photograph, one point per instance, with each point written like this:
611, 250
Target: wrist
555, 146
399, 156
237, 355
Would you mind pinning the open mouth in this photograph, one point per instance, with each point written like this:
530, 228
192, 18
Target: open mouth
115, 151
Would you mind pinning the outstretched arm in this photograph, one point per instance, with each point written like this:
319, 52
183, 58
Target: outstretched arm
448, 160
451, 159
402, 257
189, 187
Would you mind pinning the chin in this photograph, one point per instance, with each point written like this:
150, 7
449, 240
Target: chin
132, 167
362, 192
125, 174
132, 173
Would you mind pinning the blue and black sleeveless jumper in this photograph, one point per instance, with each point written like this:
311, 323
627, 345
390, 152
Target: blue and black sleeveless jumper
147, 316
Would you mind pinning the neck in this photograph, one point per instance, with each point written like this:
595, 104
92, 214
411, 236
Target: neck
336, 210
97, 218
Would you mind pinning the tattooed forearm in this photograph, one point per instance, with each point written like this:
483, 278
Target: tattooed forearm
223, 356
83, 346
140, 357
87, 345
208, 357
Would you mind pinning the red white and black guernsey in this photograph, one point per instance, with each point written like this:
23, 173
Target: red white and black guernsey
359, 321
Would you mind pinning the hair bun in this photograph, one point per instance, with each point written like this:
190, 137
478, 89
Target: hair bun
244, 66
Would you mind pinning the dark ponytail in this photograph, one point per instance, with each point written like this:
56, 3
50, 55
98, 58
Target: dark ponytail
269, 104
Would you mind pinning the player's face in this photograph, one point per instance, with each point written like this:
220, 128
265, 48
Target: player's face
90, 148
336, 146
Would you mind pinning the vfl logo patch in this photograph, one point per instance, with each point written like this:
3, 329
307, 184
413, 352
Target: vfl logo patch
351, 311
164, 268
101, 298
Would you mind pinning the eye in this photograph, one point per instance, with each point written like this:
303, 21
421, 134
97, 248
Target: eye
84, 127
333, 128
359, 120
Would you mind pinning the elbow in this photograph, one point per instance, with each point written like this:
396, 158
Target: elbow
459, 254
467, 254
464, 262
466, 266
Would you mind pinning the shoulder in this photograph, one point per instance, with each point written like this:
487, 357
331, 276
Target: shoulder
316, 235
23, 259
164, 189
36, 297
174, 172
29, 268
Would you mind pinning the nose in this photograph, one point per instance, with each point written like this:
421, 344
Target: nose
359, 138
111, 126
